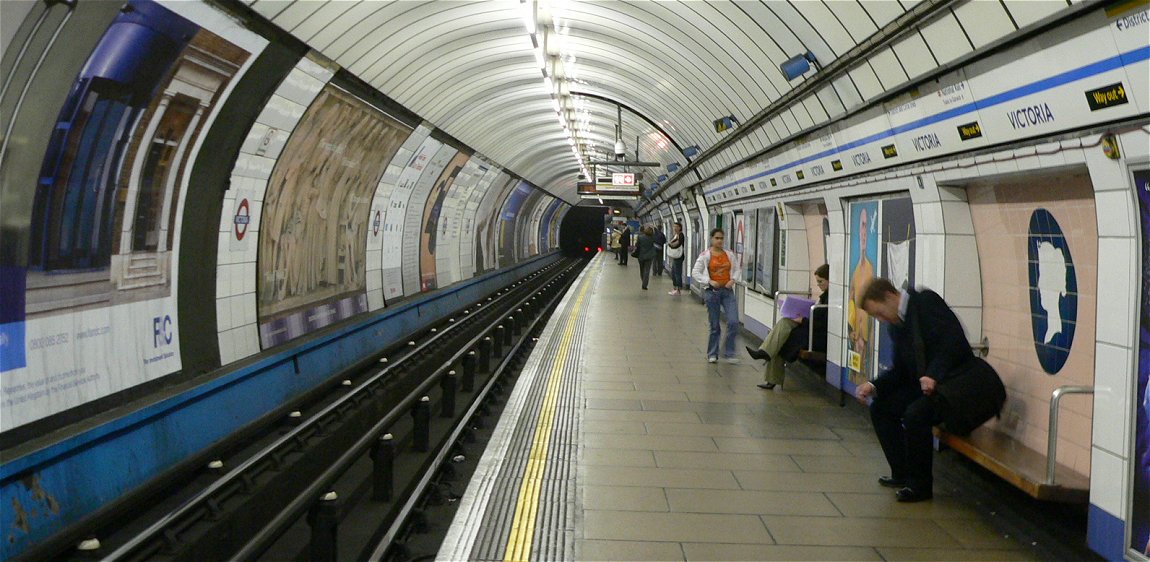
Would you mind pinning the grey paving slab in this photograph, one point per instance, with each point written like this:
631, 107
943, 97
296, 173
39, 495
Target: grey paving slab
840, 531
616, 457
747, 552
702, 429
805, 481
879, 502
659, 477
975, 534
726, 461
624, 498
876, 466
608, 385
641, 416
751, 502
605, 404
674, 527
592, 426
895, 554
635, 395
780, 446
596, 550
649, 442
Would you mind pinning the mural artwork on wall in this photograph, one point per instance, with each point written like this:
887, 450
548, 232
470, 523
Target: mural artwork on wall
1140, 503
863, 255
1053, 291
311, 269
87, 264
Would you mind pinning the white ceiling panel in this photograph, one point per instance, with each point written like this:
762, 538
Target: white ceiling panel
1026, 12
854, 18
888, 68
946, 39
914, 55
866, 81
984, 22
882, 11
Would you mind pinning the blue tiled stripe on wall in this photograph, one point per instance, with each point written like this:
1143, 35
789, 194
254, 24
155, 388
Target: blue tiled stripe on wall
1105, 534
1106, 65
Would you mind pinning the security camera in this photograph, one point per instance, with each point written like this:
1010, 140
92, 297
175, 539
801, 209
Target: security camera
620, 150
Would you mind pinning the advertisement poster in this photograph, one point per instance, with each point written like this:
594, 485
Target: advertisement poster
524, 244
1140, 503
88, 253
397, 212
507, 219
897, 262
486, 219
432, 210
311, 258
413, 222
738, 237
765, 269
863, 255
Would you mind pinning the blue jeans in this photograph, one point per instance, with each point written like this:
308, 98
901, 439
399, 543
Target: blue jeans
724, 298
677, 273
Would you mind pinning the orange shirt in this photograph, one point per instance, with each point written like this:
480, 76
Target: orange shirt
719, 268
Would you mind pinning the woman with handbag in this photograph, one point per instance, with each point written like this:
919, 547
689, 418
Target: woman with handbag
677, 255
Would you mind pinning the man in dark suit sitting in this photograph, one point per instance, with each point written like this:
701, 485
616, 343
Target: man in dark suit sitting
902, 410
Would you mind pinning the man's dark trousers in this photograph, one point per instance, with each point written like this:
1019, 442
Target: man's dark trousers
902, 421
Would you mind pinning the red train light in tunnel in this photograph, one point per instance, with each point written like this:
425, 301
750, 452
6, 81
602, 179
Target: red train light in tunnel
586, 249
600, 248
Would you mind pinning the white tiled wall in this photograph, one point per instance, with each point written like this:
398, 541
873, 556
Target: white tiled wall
236, 270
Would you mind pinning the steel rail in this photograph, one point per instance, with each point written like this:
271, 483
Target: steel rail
286, 441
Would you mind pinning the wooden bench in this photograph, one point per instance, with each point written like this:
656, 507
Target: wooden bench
1038, 475
1021, 466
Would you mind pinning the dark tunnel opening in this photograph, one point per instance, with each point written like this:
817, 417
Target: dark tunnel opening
581, 233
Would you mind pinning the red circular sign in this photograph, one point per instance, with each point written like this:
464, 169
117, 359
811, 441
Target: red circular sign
241, 219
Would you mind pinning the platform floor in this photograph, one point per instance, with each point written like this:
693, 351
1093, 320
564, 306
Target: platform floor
678, 459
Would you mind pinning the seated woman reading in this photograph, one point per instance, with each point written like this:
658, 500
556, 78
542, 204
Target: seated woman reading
787, 341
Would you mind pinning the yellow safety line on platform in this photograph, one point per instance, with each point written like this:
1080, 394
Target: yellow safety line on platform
527, 505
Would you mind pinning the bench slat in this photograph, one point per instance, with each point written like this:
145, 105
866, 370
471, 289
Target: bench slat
1019, 465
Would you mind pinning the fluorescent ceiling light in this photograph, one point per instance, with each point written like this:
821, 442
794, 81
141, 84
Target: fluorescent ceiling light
529, 15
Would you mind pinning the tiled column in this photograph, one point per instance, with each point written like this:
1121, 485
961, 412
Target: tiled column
837, 258
1116, 353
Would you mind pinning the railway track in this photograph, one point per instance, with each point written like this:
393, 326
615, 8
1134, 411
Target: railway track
343, 475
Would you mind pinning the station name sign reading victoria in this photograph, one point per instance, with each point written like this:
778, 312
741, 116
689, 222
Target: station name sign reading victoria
1006, 98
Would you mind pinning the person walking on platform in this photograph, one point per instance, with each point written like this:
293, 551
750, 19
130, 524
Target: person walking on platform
614, 242
677, 253
718, 270
929, 344
660, 243
789, 336
645, 247
624, 244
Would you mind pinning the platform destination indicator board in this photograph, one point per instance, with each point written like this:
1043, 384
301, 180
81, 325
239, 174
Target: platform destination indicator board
604, 184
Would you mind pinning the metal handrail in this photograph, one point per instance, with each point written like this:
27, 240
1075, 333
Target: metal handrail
285, 440
982, 347
775, 318
1052, 433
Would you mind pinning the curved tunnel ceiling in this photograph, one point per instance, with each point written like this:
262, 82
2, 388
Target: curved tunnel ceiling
471, 68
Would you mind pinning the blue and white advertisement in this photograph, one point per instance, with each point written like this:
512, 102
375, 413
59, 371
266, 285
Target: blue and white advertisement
90, 242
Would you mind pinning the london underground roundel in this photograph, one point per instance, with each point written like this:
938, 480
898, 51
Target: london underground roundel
1053, 291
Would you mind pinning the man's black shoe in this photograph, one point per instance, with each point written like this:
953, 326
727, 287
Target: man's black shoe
891, 482
756, 353
910, 495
